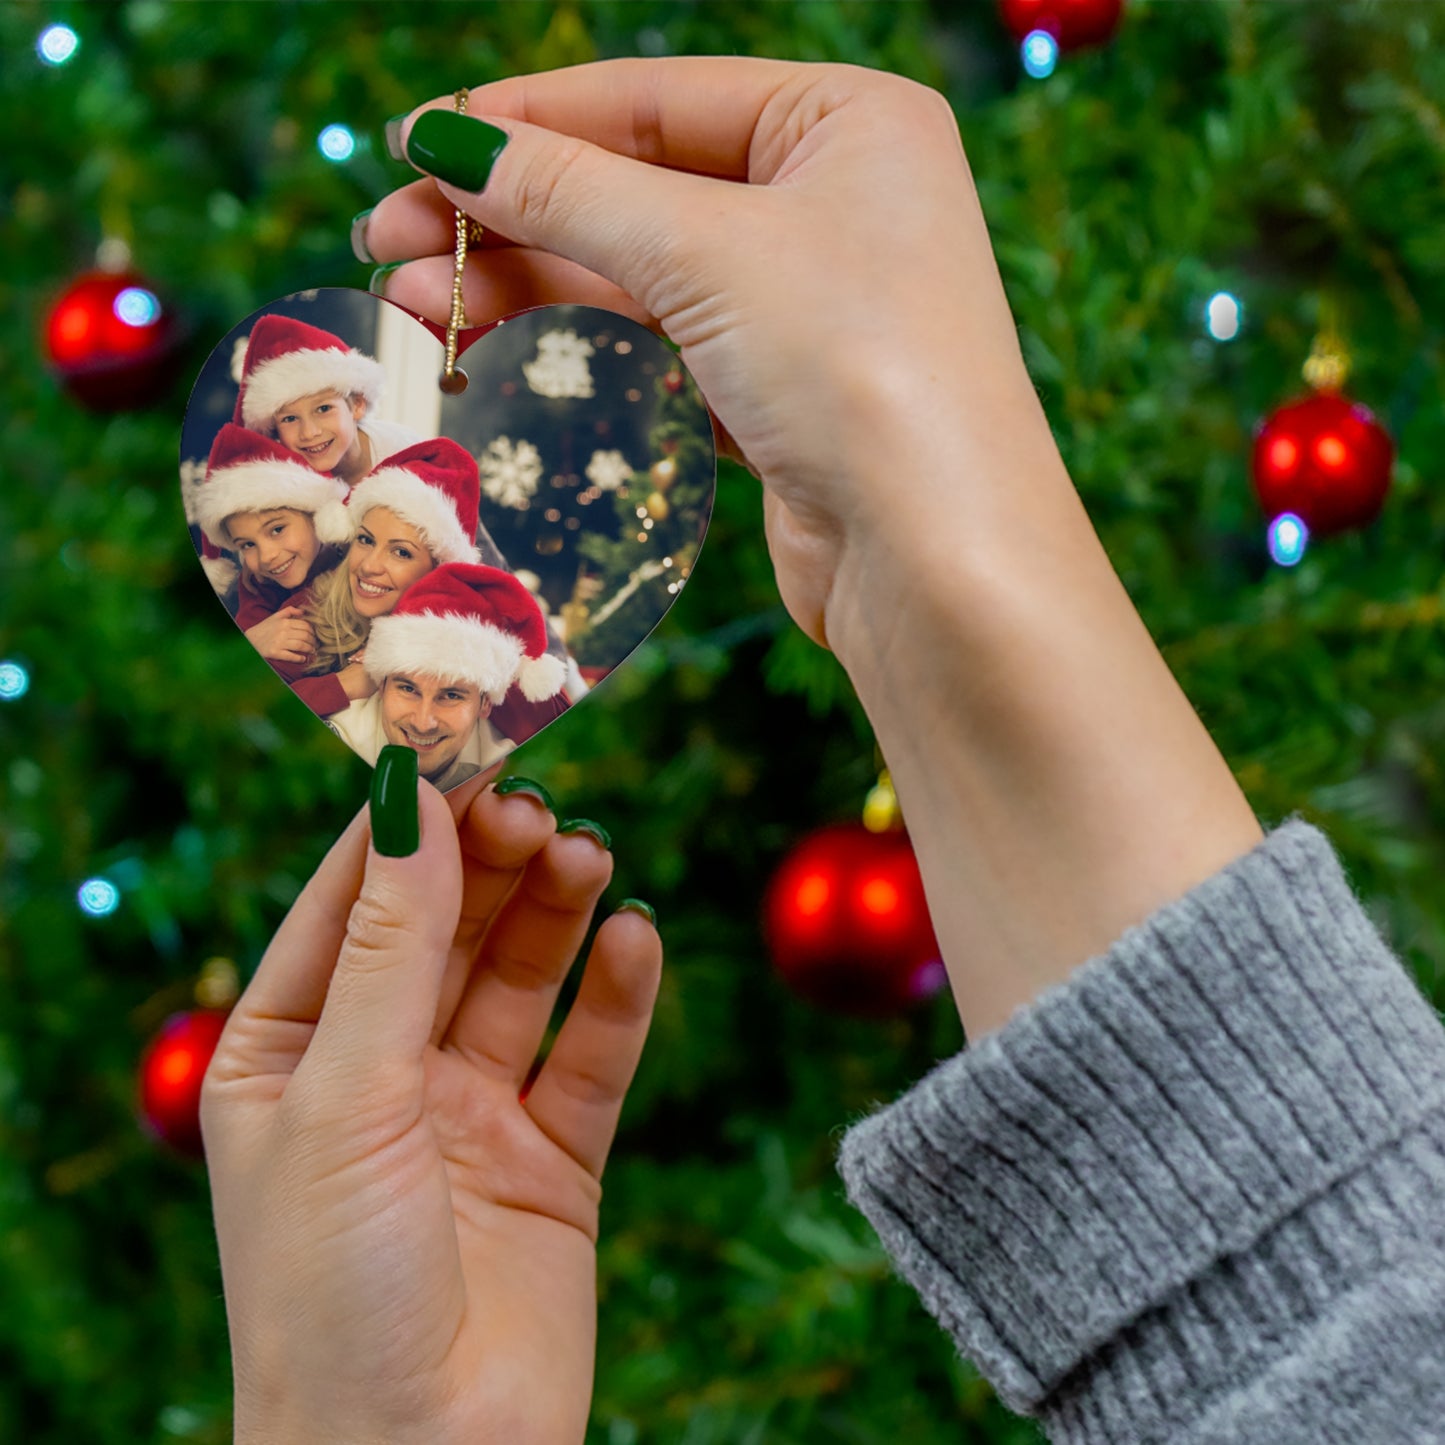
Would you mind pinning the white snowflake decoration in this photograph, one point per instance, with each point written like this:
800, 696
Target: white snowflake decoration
560, 368
510, 471
609, 470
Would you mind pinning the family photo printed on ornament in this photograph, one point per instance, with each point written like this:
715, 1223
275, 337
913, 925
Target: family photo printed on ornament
347, 513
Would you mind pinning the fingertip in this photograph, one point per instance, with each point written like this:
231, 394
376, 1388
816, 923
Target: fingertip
629, 949
505, 830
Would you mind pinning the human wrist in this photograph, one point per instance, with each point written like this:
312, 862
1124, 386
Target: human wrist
1057, 784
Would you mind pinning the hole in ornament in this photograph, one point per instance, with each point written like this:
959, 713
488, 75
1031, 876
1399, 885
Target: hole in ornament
455, 384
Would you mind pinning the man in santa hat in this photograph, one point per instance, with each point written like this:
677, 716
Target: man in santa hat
450, 651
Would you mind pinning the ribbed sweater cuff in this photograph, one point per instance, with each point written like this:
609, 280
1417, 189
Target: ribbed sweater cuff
1125, 1195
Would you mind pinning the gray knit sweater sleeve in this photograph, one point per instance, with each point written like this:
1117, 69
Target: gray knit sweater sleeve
1196, 1192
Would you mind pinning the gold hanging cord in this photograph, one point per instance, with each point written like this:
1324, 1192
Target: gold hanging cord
453, 379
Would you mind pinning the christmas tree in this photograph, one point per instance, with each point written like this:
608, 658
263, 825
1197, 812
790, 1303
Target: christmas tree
164, 799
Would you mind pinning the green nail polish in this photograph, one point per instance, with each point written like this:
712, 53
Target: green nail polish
514, 784
377, 284
392, 131
359, 247
395, 824
455, 148
593, 830
636, 905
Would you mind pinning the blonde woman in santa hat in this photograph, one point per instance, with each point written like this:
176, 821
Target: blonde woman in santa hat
261, 502
414, 512
451, 650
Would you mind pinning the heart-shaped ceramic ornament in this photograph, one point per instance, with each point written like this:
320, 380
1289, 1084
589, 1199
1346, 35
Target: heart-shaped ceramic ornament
445, 572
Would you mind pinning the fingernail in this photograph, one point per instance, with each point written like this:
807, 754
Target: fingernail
359, 248
395, 824
514, 784
455, 148
593, 830
636, 905
377, 284
393, 137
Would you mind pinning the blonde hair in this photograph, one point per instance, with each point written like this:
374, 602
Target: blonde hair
340, 629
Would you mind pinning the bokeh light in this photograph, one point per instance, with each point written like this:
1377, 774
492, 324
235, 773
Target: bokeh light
336, 143
1223, 316
137, 307
57, 44
1040, 54
98, 897
14, 681
1288, 538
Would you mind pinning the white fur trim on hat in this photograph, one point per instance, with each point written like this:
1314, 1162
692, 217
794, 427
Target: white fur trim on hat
541, 677
295, 374
221, 572
261, 486
444, 646
427, 508
333, 521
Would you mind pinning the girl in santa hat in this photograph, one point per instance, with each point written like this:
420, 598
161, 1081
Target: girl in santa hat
261, 502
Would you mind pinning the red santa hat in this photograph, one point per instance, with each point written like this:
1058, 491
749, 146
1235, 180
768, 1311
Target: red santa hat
465, 623
433, 486
251, 473
287, 359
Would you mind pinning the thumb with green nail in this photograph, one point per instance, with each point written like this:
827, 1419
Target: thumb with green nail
407, 1230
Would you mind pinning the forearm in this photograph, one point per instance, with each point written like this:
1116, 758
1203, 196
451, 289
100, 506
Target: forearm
1057, 784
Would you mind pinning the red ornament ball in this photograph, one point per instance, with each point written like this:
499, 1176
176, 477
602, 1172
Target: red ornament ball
1324, 458
171, 1071
673, 381
112, 341
1073, 23
847, 923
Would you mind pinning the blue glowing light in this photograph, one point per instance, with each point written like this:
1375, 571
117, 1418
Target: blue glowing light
136, 306
98, 897
336, 143
14, 681
1040, 53
57, 44
1223, 316
1288, 538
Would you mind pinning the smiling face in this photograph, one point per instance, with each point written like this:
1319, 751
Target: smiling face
386, 557
322, 428
432, 717
275, 546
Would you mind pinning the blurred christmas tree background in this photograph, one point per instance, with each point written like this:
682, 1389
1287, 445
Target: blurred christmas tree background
1289, 155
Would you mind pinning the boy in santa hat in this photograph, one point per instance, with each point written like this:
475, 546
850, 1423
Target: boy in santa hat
317, 396
261, 502
458, 641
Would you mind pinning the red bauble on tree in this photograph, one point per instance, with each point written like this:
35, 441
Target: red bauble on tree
1324, 458
847, 923
171, 1071
1073, 23
111, 341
